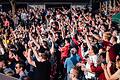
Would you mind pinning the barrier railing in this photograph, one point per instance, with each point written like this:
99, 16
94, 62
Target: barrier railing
5, 77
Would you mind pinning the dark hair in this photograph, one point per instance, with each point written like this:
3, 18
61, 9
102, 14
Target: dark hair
117, 48
95, 50
21, 65
67, 39
115, 38
46, 55
103, 54
87, 56
3, 58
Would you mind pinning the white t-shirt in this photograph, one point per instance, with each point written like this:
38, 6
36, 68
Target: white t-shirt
93, 58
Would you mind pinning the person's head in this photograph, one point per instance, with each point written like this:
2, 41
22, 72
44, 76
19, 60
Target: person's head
101, 58
67, 40
106, 36
44, 56
118, 62
74, 73
80, 37
90, 39
19, 67
73, 51
114, 33
113, 39
93, 50
11, 55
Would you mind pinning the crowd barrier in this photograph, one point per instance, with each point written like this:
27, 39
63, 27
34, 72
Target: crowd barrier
5, 77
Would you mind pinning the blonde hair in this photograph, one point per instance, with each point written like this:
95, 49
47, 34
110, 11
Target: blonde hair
107, 35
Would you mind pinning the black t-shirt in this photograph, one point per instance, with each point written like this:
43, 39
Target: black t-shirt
42, 70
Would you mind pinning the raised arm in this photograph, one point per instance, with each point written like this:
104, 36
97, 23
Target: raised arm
115, 76
52, 50
30, 61
95, 36
39, 35
62, 29
108, 75
73, 32
38, 46
35, 53
88, 42
107, 54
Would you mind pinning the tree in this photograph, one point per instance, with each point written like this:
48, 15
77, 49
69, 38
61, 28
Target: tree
12, 2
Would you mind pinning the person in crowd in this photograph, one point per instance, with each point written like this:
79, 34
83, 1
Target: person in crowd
65, 50
74, 73
71, 61
20, 70
107, 71
42, 65
98, 69
4, 68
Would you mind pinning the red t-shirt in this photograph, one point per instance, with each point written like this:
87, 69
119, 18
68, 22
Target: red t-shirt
112, 53
105, 44
99, 71
65, 50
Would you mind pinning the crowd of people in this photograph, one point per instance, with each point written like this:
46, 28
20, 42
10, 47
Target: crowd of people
59, 44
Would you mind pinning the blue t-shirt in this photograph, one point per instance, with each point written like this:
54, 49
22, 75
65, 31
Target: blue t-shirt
71, 61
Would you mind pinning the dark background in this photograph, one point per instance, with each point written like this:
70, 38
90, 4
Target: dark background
81, 1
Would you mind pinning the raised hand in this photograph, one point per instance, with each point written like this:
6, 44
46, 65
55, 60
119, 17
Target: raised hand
103, 66
30, 44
